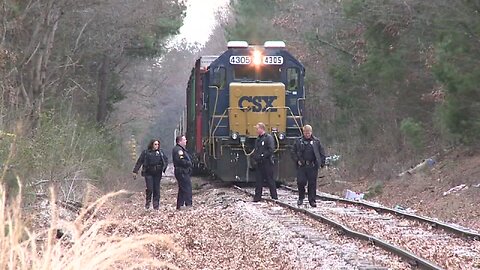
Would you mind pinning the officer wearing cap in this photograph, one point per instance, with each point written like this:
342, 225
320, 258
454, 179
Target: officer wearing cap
263, 156
309, 155
183, 170
153, 162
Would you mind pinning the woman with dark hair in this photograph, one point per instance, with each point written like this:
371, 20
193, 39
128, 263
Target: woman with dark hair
153, 162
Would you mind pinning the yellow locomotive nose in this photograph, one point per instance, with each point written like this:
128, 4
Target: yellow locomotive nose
251, 103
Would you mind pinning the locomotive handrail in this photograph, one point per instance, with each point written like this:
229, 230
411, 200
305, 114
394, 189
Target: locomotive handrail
278, 142
298, 107
215, 129
214, 107
245, 151
213, 118
291, 113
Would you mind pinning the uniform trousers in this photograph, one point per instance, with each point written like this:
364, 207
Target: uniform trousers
307, 175
152, 182
184, 197
264, 173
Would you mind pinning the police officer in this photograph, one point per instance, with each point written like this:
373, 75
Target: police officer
263, 156
308, 153
153, 162
183, 170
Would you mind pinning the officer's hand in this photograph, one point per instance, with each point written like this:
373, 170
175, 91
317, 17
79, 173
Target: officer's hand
134, 176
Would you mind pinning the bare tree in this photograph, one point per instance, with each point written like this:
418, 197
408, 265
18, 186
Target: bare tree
66, 48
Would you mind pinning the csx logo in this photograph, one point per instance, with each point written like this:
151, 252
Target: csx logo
257, 103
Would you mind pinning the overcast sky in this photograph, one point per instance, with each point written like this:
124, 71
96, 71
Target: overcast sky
200, 20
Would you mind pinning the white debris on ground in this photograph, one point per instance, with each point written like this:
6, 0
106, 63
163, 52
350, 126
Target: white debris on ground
455, 189
40, 215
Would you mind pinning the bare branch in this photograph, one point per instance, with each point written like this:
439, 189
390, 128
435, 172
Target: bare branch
79, 86
335, 47
119, 125
80, 35
33, 54
39, 182
24, 92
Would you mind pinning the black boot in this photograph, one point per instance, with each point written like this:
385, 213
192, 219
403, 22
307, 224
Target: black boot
300, 201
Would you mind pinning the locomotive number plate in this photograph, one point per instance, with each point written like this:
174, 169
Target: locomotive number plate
240, 60
273, 60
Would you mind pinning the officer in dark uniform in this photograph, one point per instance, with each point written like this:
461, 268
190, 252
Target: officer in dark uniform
263, 156
153, 162
183, 170
308, 153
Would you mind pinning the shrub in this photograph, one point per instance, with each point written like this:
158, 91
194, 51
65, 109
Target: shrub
374, 190
414, 133
66, 153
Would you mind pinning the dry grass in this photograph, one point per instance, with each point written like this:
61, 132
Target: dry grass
84, 244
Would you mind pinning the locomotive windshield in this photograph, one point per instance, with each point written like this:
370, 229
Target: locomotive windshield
253, 73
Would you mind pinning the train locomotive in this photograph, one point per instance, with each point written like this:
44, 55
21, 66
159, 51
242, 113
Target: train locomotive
228, 94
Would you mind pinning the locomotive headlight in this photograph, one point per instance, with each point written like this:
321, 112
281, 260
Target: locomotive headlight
281, 136
234, 135
257, 58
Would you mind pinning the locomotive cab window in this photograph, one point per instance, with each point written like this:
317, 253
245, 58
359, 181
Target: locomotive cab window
243, 73
270, 73
292, 78
252, 73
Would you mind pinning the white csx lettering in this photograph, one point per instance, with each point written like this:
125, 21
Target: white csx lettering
257, 103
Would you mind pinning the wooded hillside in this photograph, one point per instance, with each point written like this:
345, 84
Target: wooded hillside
61, 69
393, 82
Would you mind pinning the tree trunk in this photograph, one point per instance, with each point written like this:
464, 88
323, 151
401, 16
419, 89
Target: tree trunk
102, 90
37, 64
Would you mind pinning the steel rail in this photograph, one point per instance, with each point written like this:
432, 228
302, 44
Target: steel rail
435, 223
418, 261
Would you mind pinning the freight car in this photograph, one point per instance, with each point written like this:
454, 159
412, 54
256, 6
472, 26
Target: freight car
228, 94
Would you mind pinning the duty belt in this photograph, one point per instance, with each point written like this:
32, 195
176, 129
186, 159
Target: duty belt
310, 163
157, 167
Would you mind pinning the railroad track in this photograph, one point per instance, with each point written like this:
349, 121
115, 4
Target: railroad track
424, 242
456, 229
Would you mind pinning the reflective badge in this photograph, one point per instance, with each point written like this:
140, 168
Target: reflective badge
263, 143
311, 142
180, 153
158, 152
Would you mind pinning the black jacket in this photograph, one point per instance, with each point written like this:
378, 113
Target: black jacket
264, 148
299, 148
181, 158
152, 162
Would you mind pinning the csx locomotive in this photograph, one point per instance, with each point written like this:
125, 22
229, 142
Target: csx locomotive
228, 94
